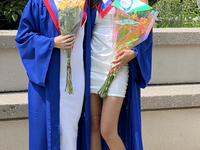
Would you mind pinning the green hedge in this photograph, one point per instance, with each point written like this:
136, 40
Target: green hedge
10, 13
177, 13
172, 13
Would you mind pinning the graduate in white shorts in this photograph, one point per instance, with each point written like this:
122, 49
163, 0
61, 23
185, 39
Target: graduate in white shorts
116, 118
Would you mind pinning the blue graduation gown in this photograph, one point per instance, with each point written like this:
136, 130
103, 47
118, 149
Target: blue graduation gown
35, 41
130, 116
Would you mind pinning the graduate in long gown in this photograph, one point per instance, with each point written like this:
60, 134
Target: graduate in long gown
129, 124
53, 113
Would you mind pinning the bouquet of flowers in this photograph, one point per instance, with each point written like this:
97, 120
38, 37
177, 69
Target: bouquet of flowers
132, 23
70, 17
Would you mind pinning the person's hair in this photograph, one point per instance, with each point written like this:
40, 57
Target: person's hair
94, 3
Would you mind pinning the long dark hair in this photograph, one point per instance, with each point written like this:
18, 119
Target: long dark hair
94, 3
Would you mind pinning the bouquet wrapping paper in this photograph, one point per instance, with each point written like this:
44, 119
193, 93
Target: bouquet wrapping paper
132, 23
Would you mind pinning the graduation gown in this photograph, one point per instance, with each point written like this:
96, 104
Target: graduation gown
129, 126
35, 41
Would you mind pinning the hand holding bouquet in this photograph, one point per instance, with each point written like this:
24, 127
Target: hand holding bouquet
70, 17
132, 23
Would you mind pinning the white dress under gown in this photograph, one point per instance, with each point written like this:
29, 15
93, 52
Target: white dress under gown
102, 55
71, 105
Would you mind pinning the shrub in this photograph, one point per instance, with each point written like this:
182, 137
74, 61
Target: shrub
177, 13
10, 13
172, 13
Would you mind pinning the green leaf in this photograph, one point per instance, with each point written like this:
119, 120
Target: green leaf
8, 18
13, 3
18, 7
7, 7
75, 12
186, 25
19, 12
14, 17
5, 13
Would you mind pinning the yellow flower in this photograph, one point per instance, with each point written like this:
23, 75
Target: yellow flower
81, 3
62, 5
73, 4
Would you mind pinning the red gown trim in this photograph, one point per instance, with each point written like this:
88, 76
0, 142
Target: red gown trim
102, 12
53, 16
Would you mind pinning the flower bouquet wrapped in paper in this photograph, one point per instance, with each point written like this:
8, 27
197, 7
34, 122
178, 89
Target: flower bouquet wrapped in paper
70, 17
132, 23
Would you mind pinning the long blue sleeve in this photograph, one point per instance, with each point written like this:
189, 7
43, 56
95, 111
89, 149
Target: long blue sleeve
140, 67
35, 49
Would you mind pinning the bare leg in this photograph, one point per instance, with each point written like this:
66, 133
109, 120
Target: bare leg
95, 108
109, 122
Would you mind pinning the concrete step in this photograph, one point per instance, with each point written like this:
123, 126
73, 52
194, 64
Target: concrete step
15, 105
170, 118
170, 96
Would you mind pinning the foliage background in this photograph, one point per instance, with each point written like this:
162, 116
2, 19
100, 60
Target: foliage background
10, 13
172, 13
177, 13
